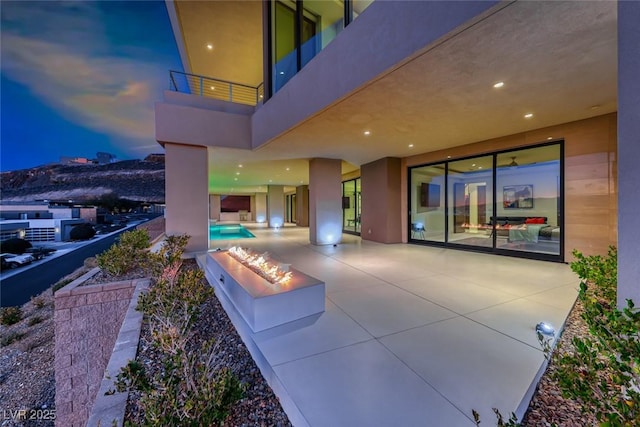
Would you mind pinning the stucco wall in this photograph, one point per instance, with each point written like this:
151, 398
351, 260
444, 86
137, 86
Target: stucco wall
87, 320
380, 193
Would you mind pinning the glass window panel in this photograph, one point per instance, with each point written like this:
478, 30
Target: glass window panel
323, 20
284, 49
427, 203
358, 205
349, 216
359, 6
529, 200
470, 201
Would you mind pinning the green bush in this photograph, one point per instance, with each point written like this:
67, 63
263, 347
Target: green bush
11, 338
130, 252
189, 389
10, 315
602, 371
61, 284
38, 302
82, 232
34, 320
14, 246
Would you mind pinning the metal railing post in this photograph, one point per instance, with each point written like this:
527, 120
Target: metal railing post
200, 86
231, 92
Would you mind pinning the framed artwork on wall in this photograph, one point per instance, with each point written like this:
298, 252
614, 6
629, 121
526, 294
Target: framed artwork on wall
517, 196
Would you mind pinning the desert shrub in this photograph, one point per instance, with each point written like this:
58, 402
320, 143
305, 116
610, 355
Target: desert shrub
11, 338
10, 315
190, 388
38, 302
602, 371
61, 284
34, 320
130, 252
14, 246
82, 232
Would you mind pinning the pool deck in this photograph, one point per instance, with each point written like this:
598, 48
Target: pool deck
411, 335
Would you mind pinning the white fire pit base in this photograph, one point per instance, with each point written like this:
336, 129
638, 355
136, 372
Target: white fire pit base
264, 305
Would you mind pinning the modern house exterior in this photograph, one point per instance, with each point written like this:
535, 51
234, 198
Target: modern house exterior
508, 127
40, 222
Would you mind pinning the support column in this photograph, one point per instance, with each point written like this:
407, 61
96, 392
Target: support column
187, 194
302, 205
214, 206
628, 152
275, 205
325, 201
261, 208
381, 201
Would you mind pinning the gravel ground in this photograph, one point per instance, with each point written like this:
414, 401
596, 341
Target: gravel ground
547, 406
27, 379
259, 406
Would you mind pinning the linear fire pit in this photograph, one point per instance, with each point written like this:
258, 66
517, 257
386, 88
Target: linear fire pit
261, 303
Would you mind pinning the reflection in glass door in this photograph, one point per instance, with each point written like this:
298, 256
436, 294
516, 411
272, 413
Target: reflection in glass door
470, 201
351, 204
427, 210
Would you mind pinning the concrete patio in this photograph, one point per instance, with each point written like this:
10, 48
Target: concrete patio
411, 335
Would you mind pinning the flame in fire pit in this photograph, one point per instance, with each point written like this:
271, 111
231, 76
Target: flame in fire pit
261, 265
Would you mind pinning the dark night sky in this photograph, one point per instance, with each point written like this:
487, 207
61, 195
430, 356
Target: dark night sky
78, 77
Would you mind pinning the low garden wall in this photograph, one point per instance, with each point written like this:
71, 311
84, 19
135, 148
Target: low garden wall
87, 321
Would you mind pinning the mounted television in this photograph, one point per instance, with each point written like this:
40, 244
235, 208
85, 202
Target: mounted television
429, 195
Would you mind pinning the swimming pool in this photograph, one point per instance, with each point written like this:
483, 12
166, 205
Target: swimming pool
228, 231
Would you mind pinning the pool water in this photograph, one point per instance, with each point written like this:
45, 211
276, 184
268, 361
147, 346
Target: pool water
228, 231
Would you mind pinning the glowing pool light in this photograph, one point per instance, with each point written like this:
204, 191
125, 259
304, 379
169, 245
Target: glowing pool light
261, 265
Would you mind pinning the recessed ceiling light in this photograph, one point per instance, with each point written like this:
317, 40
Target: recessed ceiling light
237, 173
367, 133
239, 166
549, 138
594, 107
270, 180
498, 85
301, 182
213, 88
209, 46
528, 115
479, 167
282, 73
448, 157
473, 164
235, 179
288, 169
410, 145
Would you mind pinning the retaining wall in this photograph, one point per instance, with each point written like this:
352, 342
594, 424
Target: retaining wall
87, 320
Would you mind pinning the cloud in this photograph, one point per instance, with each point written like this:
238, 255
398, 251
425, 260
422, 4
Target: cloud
82, 81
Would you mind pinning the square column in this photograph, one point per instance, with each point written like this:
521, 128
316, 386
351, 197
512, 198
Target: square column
260, 215
275, 205
325, 201
628, 152
381, 201
187, 194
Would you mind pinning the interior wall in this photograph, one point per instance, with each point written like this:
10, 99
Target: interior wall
214, 206
591, 193
302, 206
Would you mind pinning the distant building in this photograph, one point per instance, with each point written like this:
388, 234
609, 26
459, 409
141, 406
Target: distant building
39, 222
102, 158
65, 160
105, 158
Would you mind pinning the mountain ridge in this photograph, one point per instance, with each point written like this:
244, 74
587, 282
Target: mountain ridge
136, 180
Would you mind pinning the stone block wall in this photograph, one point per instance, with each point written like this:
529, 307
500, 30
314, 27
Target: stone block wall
87, 320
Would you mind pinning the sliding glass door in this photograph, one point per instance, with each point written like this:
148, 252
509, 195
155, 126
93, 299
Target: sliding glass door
351, 206
507, 202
